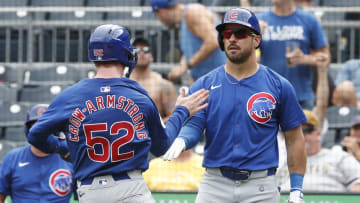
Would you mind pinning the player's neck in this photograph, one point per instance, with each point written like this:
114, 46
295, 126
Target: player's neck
109, 72
37, 152
243, 70
285, 9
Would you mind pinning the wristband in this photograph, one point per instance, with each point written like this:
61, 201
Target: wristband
296, 181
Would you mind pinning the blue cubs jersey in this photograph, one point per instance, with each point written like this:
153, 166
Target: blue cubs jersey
110, 126
31, 179
243, 117
300, 27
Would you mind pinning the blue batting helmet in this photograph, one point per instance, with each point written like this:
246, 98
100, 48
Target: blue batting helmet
240, 16
33, 115
112, 43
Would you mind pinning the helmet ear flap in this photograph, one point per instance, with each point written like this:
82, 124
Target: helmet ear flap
221, 41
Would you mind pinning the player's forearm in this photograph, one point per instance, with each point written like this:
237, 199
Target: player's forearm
296, 160
174, 123
191, 135
296, 156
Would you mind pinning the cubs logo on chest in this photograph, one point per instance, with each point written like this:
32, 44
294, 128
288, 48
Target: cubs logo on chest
60, 182
260, 107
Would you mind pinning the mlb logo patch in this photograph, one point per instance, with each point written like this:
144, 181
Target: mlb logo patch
105, 89
103, 181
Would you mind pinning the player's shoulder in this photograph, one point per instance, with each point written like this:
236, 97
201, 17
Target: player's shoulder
272, 74
210, 78
14, 154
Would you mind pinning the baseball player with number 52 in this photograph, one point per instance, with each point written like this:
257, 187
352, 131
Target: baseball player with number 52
111, 123
247, 103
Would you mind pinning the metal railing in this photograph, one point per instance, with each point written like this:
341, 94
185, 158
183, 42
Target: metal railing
29, 40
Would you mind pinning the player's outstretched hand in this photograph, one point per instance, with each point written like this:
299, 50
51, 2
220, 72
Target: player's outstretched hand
194, 102
175, 150
296, 197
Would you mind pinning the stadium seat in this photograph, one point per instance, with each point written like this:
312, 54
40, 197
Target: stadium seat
53, 75
339, 120
58, 15
340, 117
5, 147
13, 114
19, 15
110, 3
8, 94
11, 75
39, 94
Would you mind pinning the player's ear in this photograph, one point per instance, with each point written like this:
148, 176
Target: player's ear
257, 40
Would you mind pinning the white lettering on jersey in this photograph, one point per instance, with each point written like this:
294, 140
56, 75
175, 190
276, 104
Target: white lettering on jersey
283, 33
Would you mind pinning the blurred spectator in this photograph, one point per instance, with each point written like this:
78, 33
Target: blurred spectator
248, 3
303, 3
198, 37
161, 91
327, 170
351, 72
345, 95
291, 40
352, 142
182, 174
321, 104
30, 175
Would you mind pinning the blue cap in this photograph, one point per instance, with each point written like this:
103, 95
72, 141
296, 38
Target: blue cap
157, 4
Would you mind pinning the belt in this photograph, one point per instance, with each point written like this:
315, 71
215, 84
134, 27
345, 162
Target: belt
116, 177
236, 174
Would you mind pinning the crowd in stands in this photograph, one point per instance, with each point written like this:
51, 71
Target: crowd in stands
331, 103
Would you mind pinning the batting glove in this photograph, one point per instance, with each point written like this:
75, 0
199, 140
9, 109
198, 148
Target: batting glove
175, 150
296, 197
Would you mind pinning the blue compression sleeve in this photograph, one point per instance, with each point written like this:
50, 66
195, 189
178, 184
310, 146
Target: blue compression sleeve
175, 122
296, 181
191, 135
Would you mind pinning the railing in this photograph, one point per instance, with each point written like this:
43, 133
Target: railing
28, 40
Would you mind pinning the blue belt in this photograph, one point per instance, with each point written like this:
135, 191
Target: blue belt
236, 174
116, 177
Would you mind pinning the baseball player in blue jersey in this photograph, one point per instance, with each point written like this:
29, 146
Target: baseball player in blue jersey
111, 123
247, 103
32, 176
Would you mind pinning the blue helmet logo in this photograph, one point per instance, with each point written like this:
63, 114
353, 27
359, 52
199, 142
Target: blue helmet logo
112, 43
239, 16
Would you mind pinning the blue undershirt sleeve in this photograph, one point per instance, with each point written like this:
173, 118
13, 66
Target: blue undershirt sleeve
191, 132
